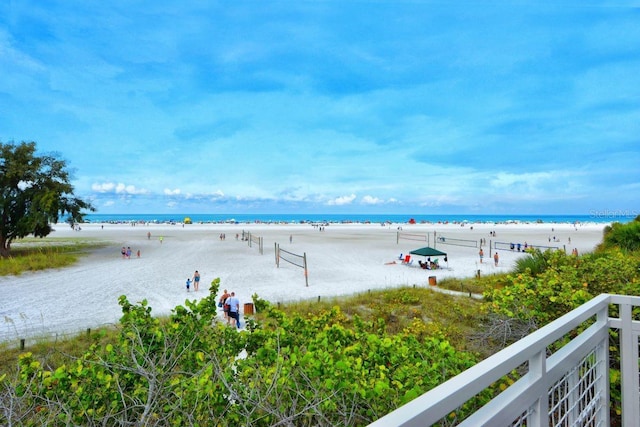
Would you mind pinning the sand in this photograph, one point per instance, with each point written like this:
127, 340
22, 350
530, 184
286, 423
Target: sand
342, 259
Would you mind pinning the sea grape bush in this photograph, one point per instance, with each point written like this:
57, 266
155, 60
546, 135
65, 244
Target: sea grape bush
191, 369
566, 283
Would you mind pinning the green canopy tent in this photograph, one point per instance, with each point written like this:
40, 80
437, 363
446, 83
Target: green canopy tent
429, 252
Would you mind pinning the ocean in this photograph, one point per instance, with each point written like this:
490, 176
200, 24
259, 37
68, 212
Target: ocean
595, 217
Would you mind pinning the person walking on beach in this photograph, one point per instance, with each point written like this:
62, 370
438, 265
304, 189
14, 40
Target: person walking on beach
496, 258
161, 239
196, 281
234, 309
188, 283
148, 235
225, 306
481, 253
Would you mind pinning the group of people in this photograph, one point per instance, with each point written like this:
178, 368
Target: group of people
496, 257
429, 265
126, 252
518, 246
229, 303
231, 308
195, 280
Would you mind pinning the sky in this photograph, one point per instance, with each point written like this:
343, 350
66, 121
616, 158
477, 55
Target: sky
327, 106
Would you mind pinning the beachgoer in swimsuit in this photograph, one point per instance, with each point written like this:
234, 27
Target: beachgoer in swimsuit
196, 281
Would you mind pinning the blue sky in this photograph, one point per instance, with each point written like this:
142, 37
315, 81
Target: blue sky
422, 107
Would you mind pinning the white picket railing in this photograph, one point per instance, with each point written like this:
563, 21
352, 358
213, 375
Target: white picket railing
567, 388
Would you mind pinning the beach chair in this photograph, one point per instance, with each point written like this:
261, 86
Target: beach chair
406, 259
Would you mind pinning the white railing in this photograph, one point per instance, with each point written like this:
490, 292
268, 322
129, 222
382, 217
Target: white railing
567, 388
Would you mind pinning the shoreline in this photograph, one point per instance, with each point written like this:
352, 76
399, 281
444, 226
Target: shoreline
595, 217
343, 259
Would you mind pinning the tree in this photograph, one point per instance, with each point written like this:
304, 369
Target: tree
34, 192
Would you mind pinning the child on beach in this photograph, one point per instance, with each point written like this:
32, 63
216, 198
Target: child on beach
188, 283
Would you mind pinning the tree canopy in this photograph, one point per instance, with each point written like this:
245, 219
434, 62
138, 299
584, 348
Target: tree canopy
34, 192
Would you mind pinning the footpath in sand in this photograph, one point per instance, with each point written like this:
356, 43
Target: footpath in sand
342, 259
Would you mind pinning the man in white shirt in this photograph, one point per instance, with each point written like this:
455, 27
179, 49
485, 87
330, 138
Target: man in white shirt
234, 309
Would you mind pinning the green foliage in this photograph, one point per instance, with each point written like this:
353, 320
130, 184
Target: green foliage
566, 283
535, 262
259, 303
325, 368
473, 285
440, 314
622, 236
34, 191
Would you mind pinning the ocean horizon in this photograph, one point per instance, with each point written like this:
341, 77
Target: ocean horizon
594, 217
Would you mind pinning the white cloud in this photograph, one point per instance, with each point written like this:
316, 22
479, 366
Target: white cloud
530, 180
129, 189
170, 192
105, 187
120, 188
343, 200
370, 200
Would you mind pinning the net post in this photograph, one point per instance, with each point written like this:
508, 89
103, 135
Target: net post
306, 275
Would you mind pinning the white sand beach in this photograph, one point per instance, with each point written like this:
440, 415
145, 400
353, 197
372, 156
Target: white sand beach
342, 259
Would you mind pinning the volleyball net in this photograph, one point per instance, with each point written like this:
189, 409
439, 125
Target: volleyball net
259, 241
408, 236
519, 247
444, 240
293, 259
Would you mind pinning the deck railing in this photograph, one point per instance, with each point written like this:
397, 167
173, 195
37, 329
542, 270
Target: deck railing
569, 387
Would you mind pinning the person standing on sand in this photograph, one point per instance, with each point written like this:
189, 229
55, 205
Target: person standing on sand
188, 283
481, 253
161, 239
148, 235
234, 309
196, 281
496, 258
